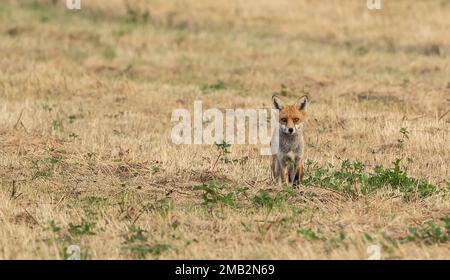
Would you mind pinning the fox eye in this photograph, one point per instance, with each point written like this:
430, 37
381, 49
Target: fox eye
296, 120
283, 120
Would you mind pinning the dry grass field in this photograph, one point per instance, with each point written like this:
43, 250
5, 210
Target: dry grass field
86, 158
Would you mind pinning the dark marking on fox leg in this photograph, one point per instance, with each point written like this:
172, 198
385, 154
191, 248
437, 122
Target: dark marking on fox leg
293, 175
299, 173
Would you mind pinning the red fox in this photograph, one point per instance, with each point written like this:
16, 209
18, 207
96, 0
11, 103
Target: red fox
287, 143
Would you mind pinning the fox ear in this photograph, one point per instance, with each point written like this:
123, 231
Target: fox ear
301, 103
277, 103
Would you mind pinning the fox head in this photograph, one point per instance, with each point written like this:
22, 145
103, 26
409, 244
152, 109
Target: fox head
291, 117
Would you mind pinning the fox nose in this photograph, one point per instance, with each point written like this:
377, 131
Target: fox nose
291, 130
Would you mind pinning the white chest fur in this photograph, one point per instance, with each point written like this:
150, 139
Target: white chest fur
291, 155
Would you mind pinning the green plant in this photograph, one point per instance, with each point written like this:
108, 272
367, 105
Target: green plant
42, 11
405, 136
72, 118
361, 51
396, 177
219, 85
137, 243
330, 242
119, 133
310, 234
435, 232
223, 149
134, 16
73, 136
46, 167
342, 179
213, 193
162, 206
136, 234
67, 240
336, 241
109, 53
93, 206
54, 227
264, 199
84, 228
57, 124
432, 233
351, 176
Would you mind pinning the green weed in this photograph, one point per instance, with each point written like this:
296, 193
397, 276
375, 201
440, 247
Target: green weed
134, 16
219, 85
137, 243
264, 199
432, 233
213, 193
46, 167
84, 228
310, 234
350, 177
404, 136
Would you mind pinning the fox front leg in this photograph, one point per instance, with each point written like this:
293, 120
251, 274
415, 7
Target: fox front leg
292, 175
276, 170
284, 175
299, 173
